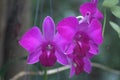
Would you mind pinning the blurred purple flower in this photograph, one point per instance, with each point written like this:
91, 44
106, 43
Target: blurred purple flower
83, 38
46, 48
90, 8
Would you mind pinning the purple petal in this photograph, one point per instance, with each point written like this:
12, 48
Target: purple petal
79, 65
31, 39
72, 71
87, 8
60, 41
70, 48
98, 14
95, 31
48, 28
47, 59
60, 47
67, 27
87, 65
81, 50
89, 55
83, 26
34, 57
69, 22
93, 48
66, 32
61, 57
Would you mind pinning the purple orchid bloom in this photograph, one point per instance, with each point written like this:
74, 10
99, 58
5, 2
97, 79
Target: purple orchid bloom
82, 33
78, 62
46, 48
90, 8
84, 38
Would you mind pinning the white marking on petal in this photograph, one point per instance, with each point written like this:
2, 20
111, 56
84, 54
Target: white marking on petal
79, 17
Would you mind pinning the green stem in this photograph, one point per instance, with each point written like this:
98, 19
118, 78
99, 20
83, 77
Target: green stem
45, 73
104, 23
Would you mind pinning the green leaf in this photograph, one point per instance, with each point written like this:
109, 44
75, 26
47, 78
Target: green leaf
116, 11
110, 3
115, 27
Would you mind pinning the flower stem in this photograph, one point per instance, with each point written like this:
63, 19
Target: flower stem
45, 73
104, 23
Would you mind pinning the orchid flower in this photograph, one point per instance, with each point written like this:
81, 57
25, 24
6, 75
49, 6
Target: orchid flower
45, 47
90, 8
84, 38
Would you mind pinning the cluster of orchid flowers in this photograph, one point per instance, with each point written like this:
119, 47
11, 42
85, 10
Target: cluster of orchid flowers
74, 40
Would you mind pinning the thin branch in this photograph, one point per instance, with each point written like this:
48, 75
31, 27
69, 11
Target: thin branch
60, 69
100, 66
49, 72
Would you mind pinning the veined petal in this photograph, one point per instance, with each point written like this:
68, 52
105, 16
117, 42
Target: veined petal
70, 22
67, 27
48, 28
60, 47
84, 49
66, 32
60, 41
79, 65
87, 8
95, 31
34, 57
31, 39
87, 65
89, 55
61, 57
83, 26
98, 14
93, 48
70, 48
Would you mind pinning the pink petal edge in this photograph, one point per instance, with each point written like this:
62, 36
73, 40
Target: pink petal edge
87, 65
95, 31
31, 39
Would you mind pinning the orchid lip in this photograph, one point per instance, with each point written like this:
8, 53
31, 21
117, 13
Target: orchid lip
81, 36
48, 45
48, 57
